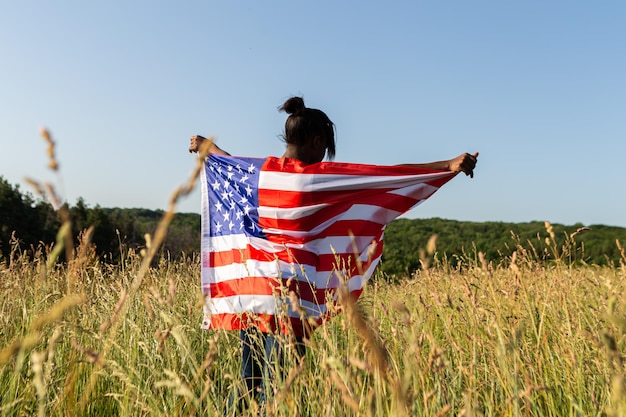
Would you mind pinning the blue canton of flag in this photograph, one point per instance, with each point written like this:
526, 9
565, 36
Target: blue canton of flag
233, 195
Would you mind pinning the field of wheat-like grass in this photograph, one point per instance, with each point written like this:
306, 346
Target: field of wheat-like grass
523, 338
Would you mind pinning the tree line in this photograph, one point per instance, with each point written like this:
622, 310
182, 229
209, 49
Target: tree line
406, 242
28, 223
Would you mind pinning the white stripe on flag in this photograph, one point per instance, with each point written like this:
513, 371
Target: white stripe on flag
259, 304
323, 246
304, 273
267, 304
288, 181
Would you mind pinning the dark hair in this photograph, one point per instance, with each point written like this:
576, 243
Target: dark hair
304, 124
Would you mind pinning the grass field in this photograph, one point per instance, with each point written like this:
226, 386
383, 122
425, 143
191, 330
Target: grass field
518, 339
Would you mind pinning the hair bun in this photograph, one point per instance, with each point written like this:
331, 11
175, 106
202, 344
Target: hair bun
293, 105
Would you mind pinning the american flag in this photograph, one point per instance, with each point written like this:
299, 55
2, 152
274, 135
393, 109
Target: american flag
276, 232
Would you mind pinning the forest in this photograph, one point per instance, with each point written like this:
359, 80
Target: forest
28, 224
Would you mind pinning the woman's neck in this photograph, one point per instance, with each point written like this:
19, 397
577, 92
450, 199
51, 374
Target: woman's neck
291, 152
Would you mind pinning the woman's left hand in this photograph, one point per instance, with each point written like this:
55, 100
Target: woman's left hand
464, 163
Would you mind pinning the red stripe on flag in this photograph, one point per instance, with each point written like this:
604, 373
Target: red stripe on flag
270, 286
295, 199
269, 323
289, 255
290, 165
322, 262
394, 202
338, 228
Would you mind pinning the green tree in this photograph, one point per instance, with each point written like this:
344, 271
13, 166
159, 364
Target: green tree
19, 214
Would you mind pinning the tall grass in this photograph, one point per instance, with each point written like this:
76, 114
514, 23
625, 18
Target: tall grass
524, 339
520, 338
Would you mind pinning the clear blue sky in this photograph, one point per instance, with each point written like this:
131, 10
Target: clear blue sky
538, 88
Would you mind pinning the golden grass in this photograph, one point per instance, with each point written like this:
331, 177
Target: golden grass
518, 339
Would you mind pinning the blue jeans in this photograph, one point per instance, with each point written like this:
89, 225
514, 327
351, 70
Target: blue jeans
262, 355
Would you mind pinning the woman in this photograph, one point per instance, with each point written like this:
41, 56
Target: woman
309, 137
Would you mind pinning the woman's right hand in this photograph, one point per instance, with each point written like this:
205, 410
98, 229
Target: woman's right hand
195, 142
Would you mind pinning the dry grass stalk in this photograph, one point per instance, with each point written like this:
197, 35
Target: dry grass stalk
116, 311
155, 244
431, 245
425, 254
86, 254
91, 356
376, 351
52, 164
346, 395
209, 359
483, 262
622, 252
37, 359
579, 231
281, 395
148, 304
14, 348
56, 311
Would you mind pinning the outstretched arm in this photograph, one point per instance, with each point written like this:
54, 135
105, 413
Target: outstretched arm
464, 163
195, 143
